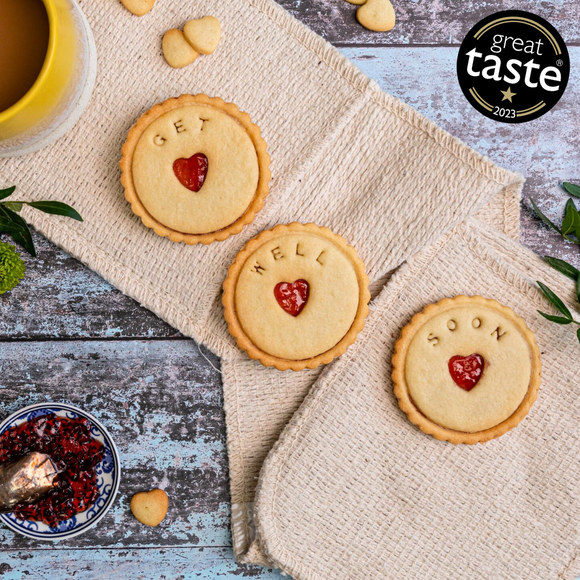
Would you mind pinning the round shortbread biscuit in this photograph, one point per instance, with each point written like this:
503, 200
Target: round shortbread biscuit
195, 169
296, 296
466, 369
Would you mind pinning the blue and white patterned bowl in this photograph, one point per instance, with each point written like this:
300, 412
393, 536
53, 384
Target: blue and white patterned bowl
108, 477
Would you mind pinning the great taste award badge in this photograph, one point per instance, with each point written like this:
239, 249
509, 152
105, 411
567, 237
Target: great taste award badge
513, 66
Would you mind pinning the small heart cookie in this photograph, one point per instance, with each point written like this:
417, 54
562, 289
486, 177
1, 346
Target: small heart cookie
150, 507
203, 34
176, 50
377, 15
138, 7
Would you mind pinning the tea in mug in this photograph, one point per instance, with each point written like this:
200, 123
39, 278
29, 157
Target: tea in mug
24, 33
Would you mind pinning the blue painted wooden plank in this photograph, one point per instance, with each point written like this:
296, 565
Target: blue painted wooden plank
426, 22
60, 297
144, 564
162, 403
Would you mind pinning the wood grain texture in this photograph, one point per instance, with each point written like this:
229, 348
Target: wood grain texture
162, 403
61, 298
134, 564
437, 22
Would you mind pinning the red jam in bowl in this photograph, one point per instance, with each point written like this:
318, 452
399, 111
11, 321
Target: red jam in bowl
70, 445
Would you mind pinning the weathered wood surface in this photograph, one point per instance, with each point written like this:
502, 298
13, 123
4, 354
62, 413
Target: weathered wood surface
60, 298
437, 22
129, 563
162, 403
65, 334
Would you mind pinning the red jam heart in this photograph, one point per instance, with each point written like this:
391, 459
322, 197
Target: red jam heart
292, 298
191, 172
466, 371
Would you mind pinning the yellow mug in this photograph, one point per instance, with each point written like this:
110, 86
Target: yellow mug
61, 91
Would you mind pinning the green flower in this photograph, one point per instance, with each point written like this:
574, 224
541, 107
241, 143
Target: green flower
12, 268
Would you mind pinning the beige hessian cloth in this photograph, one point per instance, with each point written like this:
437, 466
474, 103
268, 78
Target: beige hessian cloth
344, 155
354, 490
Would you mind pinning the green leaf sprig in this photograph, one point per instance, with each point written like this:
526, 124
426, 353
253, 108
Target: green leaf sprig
12, 224
570, 230
571, 224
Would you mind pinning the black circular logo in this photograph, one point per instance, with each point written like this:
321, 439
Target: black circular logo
513, 66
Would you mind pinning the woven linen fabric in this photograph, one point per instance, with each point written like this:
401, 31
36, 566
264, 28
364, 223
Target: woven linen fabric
344, 155
259, 402
353, 490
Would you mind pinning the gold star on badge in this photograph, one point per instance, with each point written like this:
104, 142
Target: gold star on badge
507, 95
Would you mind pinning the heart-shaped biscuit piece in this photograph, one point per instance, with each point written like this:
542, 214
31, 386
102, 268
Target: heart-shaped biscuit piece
150, 507
377, 15
203, 34
138, 7
176, 50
